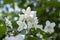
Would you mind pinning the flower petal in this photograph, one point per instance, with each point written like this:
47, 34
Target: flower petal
33, 13
39, 26
23, 10
28, 10
47, 22
20, 37
53, 24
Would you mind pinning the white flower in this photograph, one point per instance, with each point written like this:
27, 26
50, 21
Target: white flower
28, 19
39, 26
20, 37
29, 25
17, 37
47, 9
22, 25
21, 17
10, 10
15, 18
10, 38
17, 9
29, 13
32, 22
8, 22
7, 6
35, 21
58, 0
49, 27
39, 35
4, 10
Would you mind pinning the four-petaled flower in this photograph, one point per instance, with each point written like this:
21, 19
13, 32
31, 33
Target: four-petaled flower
49, 27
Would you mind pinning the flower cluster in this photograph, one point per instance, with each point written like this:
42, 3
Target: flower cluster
28, 20
8, 9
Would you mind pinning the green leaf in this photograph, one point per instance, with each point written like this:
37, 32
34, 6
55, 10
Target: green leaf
15, 25
32, 38
2, 28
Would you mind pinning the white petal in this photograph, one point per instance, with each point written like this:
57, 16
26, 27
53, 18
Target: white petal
47, 22
39, 26
17, 9
20, 28
23, 10
28, 10
29, 25
20, 37
52, 30
11, 38
11, 10
39, 35
53, 24
7, 5
31, 16
36, 20
21, 17
33, 13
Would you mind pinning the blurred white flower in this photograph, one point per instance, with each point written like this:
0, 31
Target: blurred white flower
47, 9
10, 38
7, 6
58, 0
49, 27
27, 11
54, 9
28, 19
29, 25
10, 10
17, 9
39, 26
20, 37
15, 18
21, 17
22, 25
8, 22
17, 37
35, 4
29, 15
4, 10
39, 35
